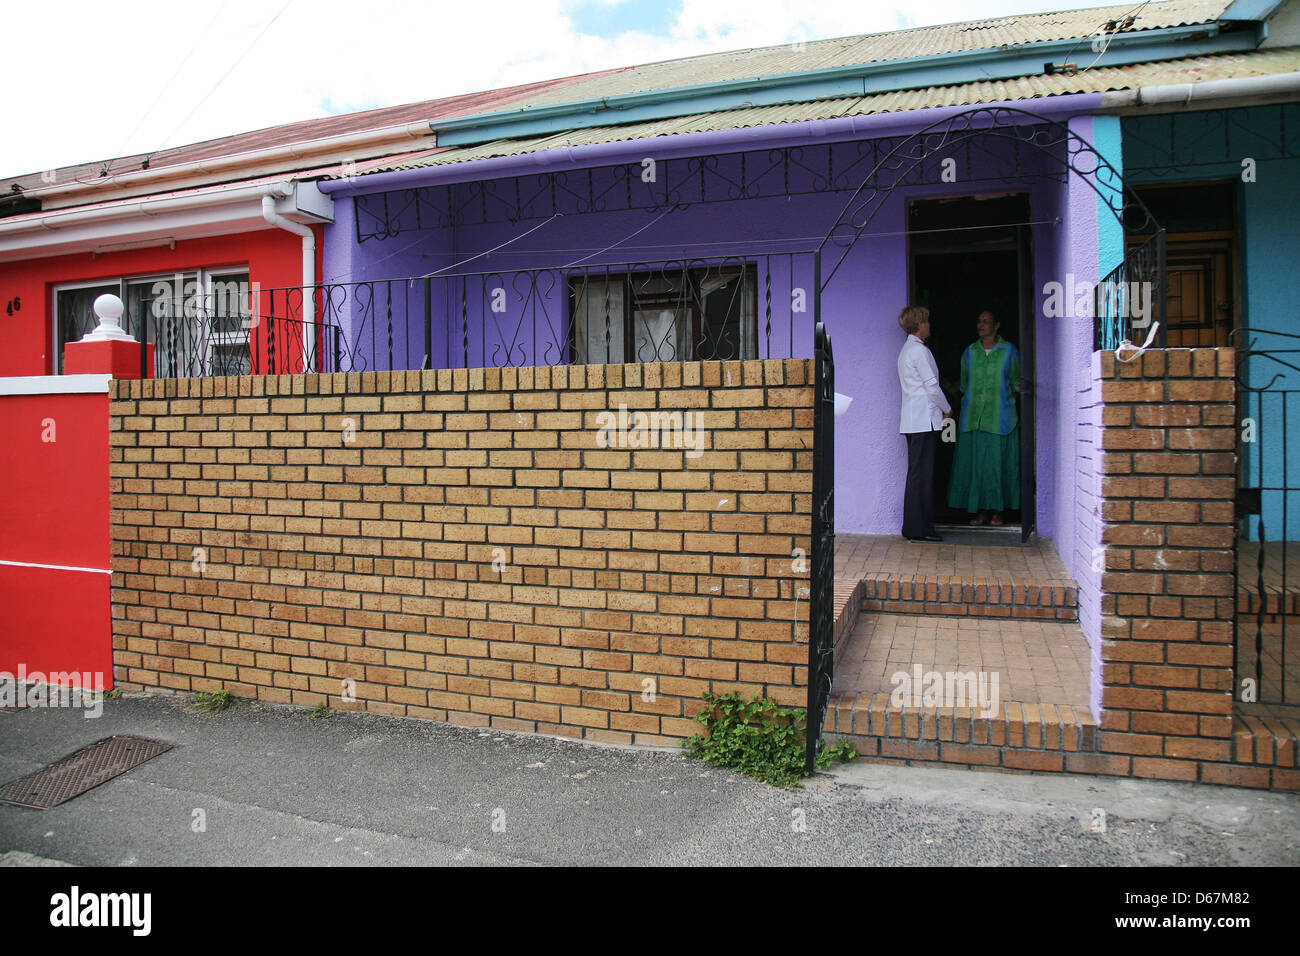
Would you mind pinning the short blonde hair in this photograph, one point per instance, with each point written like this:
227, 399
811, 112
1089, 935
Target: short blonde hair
912, 317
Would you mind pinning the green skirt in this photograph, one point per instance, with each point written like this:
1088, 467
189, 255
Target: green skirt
986, 472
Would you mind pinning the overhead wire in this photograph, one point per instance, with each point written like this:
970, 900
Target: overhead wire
106, 169
1132, 14
501, 248
179, 66
620, 242
248, 49
489, 252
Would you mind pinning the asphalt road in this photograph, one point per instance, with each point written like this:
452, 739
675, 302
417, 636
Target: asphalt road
271, 785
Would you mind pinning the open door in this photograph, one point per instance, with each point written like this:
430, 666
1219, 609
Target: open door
968, 254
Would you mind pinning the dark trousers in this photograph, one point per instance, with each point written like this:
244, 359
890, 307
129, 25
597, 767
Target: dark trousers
918, 499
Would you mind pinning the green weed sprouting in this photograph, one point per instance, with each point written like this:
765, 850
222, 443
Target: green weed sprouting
216, 701
759, 739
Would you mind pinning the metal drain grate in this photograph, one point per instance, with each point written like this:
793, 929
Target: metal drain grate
81, 771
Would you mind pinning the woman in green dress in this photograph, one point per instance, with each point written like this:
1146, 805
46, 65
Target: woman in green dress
986, 465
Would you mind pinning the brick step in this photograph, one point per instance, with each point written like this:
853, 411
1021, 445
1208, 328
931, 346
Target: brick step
1267, 735
1276, 600
983, 595
848, 603
1263, 753
1019, 736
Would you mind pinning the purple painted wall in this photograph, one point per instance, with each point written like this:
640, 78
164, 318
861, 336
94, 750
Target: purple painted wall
860, 306
1088, 563
1064, 350
1068, 371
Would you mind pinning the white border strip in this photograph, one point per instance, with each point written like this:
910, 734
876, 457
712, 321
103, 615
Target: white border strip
92, 383
55, 567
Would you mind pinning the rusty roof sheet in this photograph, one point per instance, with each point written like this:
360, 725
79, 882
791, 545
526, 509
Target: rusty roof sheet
306, 130
1099, 80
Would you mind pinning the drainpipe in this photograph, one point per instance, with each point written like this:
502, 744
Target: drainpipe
283, 191
1206, 91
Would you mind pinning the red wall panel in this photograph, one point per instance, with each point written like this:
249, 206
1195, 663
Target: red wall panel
274, 258
54, 495
54, 510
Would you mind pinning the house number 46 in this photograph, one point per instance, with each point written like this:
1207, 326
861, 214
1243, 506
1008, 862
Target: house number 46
13, 305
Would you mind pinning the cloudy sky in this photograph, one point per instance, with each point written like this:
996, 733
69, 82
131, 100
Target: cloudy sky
108, 79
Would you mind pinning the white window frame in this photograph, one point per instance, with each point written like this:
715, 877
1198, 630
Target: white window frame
56, 347
204, 334
214, 339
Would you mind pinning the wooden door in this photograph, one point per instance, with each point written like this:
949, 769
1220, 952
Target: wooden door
1200, 294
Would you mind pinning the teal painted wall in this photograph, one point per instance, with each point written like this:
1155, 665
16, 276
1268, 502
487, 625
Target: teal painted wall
1212, 145
1107, 139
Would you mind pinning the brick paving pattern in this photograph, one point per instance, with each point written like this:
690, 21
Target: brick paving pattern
1036, 661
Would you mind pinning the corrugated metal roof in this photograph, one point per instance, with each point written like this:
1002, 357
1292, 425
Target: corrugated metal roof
670, 74
306, 130
880, 47
1099, 80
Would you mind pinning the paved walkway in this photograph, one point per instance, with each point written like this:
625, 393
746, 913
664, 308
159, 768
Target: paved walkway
1037, 662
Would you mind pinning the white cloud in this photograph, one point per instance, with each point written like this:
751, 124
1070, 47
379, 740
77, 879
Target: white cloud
76, 95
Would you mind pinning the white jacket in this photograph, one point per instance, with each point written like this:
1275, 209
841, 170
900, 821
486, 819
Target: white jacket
924, 403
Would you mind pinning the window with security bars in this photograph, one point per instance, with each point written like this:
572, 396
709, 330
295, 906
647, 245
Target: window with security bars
198, 321
675, 315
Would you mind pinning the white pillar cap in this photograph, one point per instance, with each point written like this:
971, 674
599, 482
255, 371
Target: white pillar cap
108, 309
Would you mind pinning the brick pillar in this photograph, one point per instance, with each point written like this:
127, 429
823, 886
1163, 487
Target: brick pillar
1169, 468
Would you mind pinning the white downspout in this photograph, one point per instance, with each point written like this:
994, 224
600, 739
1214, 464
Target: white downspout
1204, 91
284, 190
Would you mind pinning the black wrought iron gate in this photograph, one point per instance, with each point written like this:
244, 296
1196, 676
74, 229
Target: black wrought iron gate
821, 604
1267, 646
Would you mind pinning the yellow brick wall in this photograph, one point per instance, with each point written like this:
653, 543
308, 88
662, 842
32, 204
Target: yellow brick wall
279, 536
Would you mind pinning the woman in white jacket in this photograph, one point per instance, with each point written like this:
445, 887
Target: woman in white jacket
924, 410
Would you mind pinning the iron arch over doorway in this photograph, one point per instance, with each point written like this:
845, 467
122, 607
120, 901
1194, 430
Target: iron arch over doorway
1144, 263
1074, 156
1056, 140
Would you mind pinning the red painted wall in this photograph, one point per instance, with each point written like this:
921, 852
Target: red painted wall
274, 258
54, 496
54, 510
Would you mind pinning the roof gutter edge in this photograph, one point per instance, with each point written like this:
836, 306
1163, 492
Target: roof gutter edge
26, 237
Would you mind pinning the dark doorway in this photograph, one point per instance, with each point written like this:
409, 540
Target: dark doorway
966, 255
